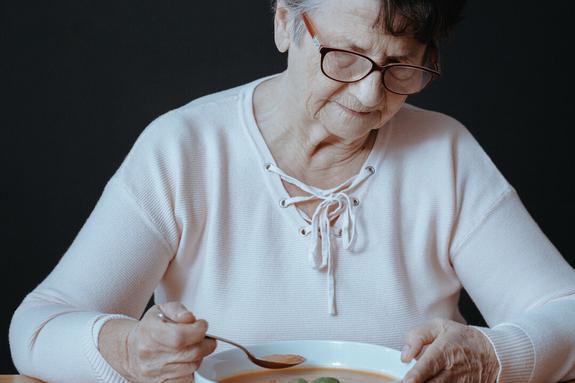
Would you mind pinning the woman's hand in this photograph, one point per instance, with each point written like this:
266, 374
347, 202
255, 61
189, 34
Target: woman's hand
161, 352
448, 351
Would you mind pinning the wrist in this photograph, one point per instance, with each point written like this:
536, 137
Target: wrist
113, 344
489, 359
514, 349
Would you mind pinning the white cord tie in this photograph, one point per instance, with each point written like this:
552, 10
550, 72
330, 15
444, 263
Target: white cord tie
341, 204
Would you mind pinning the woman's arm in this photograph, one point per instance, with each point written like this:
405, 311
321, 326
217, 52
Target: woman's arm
525, 291
113, 266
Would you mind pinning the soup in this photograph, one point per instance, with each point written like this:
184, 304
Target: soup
309, 375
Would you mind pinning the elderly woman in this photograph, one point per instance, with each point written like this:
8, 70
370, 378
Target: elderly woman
311, 204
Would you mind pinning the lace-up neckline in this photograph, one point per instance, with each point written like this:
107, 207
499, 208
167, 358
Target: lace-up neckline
319, 229
340, 199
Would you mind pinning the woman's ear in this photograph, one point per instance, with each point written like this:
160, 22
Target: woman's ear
282, 27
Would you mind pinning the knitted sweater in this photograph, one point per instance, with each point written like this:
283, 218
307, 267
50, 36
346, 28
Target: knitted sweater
198, 213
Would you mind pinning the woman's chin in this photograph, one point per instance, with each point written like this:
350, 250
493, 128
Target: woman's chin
347, 132
351, 128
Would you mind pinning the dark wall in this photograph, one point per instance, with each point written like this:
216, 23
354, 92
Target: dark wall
79, 80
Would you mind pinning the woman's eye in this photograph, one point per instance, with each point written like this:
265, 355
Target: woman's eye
403, 73
344, 60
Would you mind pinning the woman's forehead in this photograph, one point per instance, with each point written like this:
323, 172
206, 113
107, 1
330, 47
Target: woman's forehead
364, 11
356, 24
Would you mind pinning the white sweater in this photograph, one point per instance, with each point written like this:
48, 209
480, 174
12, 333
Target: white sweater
194, 215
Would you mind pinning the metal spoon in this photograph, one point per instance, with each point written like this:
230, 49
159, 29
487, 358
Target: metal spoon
270, 361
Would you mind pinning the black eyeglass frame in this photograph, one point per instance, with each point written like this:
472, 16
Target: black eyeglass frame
324, 50
435, 73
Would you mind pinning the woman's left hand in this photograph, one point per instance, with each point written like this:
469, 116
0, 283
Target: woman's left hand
447, 351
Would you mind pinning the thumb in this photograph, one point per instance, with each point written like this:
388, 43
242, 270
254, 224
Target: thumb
177, 312
418, 337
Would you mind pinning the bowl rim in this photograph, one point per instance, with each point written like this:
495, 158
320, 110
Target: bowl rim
255, 346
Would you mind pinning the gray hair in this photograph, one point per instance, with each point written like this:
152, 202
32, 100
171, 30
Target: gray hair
429, 21
297, 7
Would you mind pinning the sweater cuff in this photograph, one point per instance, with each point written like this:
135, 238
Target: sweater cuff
514, 350
102, 370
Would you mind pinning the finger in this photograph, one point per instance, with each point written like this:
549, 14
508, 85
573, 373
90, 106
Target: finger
179, 373
449, 376
419, 337
443, 377
177, 312
180, 336
173, 370
431, 364
196, 353
161, 369
423, 349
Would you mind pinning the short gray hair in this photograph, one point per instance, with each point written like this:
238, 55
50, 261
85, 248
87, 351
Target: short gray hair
297, 7
429, 21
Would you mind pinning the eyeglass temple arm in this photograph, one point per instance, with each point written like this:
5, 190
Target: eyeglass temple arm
311, 30
435, 57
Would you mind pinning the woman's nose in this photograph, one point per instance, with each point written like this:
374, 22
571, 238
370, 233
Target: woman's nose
370, 90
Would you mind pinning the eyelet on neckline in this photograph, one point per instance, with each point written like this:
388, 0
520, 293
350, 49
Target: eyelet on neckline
355, 201
338, 233
370, 169
303, 232
283, 203
267, 167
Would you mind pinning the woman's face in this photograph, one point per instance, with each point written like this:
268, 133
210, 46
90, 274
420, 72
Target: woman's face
348, 111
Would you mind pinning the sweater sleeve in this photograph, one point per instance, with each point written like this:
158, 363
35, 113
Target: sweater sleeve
532, 318
110, 271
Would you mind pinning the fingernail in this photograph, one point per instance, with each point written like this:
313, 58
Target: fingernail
405, 352
184, 315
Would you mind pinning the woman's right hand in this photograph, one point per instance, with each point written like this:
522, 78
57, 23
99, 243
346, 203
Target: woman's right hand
161, 352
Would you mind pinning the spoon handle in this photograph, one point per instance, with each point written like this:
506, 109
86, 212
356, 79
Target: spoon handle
215, 337
166, 318
260, 362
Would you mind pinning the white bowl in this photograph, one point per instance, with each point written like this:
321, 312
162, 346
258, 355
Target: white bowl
320, 353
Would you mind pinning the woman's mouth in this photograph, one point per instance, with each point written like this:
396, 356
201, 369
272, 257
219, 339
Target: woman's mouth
352, 112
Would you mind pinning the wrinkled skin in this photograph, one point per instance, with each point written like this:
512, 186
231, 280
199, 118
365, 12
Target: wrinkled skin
159, 352
448, 351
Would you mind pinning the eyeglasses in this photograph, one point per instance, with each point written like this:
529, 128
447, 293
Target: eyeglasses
348, 67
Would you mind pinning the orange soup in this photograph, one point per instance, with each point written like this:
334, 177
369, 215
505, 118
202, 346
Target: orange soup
309, 375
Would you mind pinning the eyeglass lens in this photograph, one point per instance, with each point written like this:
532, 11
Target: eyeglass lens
349, 67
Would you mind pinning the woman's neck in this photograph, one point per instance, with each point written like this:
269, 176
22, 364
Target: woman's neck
301, 147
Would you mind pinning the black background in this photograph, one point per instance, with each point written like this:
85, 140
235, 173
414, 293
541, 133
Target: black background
80, 80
